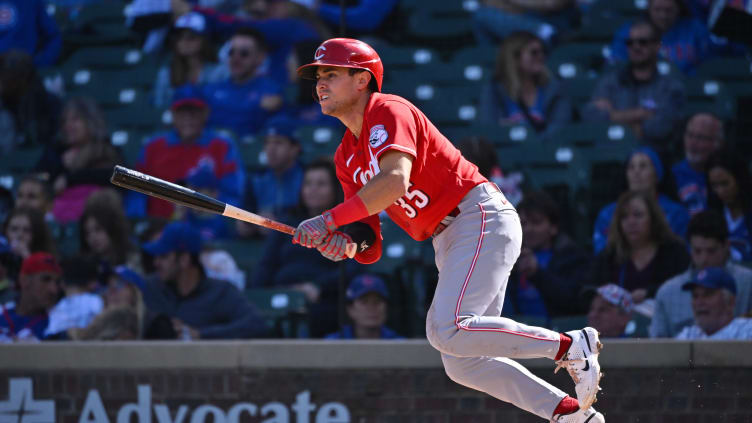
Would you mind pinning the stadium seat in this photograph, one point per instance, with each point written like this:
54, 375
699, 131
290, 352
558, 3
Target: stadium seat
572, 60
704, 94
726, 69
115, 58
284, 309
20, 161
319, 141
246, 252
396, 248
407, 57
440, 28
65, 237
567, 323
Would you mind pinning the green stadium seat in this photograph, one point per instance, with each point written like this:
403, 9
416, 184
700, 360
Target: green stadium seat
401, 57
114, 58
529, 320
246, 252
481, 54
567, 323
285, 309
318, 141
439, 28
65, 237
709, 95
396, 249
252, 153
638, 326
726, 69
20, 161
572, 60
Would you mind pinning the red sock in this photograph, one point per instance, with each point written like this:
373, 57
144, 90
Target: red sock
567, 406
564, 342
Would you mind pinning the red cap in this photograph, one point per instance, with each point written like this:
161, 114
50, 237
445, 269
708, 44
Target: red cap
39, 263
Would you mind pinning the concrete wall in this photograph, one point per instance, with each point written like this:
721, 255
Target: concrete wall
334, 381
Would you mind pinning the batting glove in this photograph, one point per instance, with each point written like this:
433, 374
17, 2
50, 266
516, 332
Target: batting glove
312, 232
335, 246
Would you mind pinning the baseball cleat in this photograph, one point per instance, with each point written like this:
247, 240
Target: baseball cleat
581, 362
587, 415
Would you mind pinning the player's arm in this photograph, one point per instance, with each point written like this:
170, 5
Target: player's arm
390, 184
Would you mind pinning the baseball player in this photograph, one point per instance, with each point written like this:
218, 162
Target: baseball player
393, 158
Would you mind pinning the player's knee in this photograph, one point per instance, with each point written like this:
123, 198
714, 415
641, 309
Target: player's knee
454, 369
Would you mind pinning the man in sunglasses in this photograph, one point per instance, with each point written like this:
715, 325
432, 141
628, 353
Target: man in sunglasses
245, 101
637, 95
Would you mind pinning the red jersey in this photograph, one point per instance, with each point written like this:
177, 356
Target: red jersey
440, 176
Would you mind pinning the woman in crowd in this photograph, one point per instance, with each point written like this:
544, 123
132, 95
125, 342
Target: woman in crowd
522, 89
731, 194
104, 231
306, 270
644, 172
82, 163
27, 232
193, 59
641, 252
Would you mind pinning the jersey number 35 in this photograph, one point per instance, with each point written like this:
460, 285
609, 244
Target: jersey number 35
412, 200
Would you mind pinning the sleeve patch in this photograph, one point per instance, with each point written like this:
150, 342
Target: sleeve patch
377, 136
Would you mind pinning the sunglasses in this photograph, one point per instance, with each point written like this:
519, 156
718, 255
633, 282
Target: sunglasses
240, 52
642, 42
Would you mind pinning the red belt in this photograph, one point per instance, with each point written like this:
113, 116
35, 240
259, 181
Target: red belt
446, 221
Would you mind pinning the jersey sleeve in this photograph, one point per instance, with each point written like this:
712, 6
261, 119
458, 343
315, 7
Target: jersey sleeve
392, 128
350, 188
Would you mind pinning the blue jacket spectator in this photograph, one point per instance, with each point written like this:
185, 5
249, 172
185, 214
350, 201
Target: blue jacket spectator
172, 155
199, 308
368, 310
522, 89
25, 25
364, 16
245, 101
26, 319
637, 95
644, 172
703, 135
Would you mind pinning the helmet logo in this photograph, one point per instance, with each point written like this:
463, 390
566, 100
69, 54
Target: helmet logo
319, 53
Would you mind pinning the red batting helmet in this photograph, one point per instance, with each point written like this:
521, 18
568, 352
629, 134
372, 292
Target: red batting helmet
346, 53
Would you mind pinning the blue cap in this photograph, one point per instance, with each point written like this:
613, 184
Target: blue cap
4, 245
363, 284
203, 176
188, 95
653, 156
177, 236
129, 275
283, 127
712, 277
194, 21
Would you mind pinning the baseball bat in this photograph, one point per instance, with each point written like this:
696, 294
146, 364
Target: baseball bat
174, 193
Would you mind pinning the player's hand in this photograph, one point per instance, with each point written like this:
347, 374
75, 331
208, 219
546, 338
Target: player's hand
335, 246
312, 232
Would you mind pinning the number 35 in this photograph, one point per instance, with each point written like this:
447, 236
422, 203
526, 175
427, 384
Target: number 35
412, 198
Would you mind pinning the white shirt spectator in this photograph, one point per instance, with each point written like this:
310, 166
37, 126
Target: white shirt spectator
75, 311
739, 329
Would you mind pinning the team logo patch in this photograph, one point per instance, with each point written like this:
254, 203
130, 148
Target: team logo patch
377, 136
8, 15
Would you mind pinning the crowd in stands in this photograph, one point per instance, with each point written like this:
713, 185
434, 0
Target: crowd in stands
667, 255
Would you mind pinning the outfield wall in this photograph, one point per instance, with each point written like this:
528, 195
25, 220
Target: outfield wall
347, 381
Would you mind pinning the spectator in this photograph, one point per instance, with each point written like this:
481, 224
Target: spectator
703, 135
641, 251
82, 163
79, 306
245, 101
708, 247
306, 270
644, 173
546, 279
6, 202
368, 310
27, 232
172, 155
203, 179
273, 190
35, 193
522, 89
497, 19
480, 152
104, 231
193, 59
26, 320
362, 16
200, 308
123, 291
611, 311
119, 323
685, 41
731, 193
9, 265
637, 95
35, 112
28, 27
713, 298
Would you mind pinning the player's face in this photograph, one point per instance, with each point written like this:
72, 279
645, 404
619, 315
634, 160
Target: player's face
96, 237
337, 90
609, 319
701, 138
31, 195
368, 311
707, 252
724, 185
712, 308
317, 191
641, 173
635, 224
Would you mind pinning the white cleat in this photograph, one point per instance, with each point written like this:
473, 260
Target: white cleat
581, 361
588, 415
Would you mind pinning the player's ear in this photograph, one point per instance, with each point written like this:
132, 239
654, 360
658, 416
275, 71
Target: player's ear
364, 78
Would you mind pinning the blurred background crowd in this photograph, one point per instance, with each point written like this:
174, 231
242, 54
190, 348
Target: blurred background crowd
621, 130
